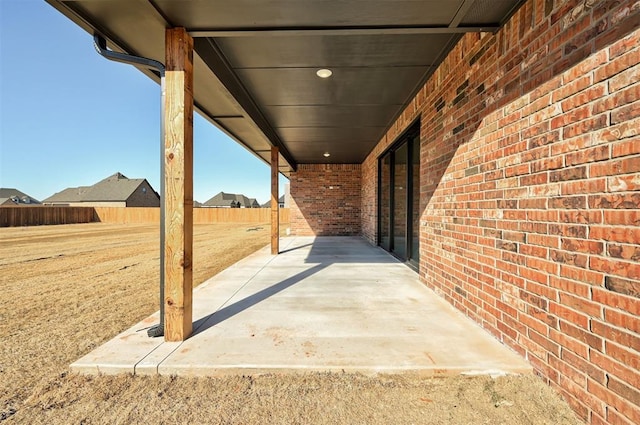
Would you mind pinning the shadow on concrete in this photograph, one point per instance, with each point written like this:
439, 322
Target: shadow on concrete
225, 313
321, 254
284, 251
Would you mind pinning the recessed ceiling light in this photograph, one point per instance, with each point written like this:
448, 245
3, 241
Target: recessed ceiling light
327, 154
324, 73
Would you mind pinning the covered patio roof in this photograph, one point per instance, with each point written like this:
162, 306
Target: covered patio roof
255, 63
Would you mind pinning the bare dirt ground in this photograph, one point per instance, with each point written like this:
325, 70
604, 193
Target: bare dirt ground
67, 289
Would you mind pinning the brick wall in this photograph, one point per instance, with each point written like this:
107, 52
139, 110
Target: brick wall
530, 194
325, 199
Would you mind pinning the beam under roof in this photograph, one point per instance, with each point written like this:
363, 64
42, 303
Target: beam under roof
331, 31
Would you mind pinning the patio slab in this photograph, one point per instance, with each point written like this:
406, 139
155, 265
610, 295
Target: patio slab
323, 304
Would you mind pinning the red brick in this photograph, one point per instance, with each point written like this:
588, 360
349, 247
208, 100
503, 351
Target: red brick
595, 372
623, 406
624, 45
584, 97
625, 78
626, 217
625, 113
614, 234
625, 391
583, 217
578, 288
622, 286
581, 393
587, 125
568, 202
615, 267
582, 245
337, 187
542, 240
618, 335
614, 367
612, 133
596, 419
625, 148
581, 334
579, 84
621, 63
581, 142
532, 348
564, 174
575, 402
616, 201
615, 418
571, 258
542, 318
569, 230
594, 310
622, 320
536, 251
543, 139
624, 97
569, 343
568, 371
584, 186
541, 289
572, 116
597, 153
629, 303
570, 316
626, 357
535, 275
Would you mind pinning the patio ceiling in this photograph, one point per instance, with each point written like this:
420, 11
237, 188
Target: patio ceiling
255, 62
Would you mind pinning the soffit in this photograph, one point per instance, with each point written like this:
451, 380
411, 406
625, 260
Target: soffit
255, 62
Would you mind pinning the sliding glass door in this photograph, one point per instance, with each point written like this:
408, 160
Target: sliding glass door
400, 199
399, 196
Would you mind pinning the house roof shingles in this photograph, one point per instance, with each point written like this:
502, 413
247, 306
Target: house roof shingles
115, 188
223, 199
7, 193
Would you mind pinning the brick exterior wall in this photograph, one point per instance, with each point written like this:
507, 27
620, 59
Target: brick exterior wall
530, 194
325, 199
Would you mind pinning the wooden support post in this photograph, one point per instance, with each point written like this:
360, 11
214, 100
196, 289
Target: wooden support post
178, 178
275, 208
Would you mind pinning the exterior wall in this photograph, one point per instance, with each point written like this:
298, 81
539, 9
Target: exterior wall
325, 199
530, 195
140, 198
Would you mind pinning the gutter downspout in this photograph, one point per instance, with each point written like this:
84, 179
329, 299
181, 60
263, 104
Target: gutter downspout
101, 47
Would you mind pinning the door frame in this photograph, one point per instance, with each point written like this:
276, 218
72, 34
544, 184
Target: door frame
407, 137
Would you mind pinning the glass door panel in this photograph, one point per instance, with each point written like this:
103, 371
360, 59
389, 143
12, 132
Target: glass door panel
385, 202
414, 255
400, 197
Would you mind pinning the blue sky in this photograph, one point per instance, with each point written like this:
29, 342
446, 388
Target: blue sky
69, 117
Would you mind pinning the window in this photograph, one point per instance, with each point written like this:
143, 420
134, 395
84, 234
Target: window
399, 198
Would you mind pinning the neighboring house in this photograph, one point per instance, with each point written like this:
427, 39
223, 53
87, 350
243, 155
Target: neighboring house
231, 200
114, 191
280, 203
10, 196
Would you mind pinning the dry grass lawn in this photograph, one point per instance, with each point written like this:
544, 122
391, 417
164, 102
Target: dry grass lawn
67, 289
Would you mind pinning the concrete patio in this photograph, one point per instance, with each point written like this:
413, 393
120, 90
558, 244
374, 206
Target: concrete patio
323, 304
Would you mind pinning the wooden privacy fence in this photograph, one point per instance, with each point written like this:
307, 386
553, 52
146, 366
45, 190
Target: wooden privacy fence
34, 216
132, 215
